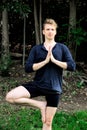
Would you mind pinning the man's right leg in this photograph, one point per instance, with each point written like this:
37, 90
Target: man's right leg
20, 95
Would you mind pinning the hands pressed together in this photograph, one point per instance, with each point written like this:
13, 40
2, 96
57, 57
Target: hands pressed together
50, 56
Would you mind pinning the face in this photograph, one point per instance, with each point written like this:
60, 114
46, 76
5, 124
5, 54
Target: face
49, 31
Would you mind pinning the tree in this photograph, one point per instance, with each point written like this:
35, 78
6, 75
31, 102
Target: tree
37, 33
5, 57
38, 21
72, 25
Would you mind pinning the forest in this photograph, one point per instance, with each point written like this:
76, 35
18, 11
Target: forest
21, 24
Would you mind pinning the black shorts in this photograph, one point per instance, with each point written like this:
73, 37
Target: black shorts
52, 99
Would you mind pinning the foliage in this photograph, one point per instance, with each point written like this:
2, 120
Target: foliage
5, 65
20, 7
79, 35
24, 118
16, 6
8, 84
80, 84
63, 36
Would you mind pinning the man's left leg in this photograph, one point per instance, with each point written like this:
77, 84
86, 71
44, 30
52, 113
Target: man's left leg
50, 112
52, 103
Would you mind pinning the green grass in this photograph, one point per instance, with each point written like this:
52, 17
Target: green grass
24, 118
70, 121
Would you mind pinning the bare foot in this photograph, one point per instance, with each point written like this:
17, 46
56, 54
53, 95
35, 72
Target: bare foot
43, 111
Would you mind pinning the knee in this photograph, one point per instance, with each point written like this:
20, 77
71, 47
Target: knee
9, 98
48, 122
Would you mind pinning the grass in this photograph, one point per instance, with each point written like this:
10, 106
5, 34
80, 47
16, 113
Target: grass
24, 118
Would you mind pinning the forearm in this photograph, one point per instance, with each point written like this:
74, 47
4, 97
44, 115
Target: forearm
37, 66
61, 64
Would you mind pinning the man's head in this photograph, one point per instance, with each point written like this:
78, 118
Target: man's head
51, 22
49, 29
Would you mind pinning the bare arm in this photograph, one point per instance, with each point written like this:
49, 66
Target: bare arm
39, 65
61, 64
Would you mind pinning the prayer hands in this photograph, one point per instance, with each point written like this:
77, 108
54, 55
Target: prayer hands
50, 56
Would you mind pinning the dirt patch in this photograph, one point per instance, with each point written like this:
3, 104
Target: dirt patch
74, 95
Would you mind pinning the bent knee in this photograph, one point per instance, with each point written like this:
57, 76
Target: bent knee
9, 98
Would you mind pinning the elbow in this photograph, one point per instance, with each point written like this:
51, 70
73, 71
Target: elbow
28, 69
71, 67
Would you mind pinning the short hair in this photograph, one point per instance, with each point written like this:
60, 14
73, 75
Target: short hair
50, 21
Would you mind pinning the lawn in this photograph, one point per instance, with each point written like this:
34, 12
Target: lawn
14, 117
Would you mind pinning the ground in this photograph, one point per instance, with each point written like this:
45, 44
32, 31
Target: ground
74, 95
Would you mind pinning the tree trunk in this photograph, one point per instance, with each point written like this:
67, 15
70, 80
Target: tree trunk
40, 19
36, 24
24, 39
72, 26
5, 42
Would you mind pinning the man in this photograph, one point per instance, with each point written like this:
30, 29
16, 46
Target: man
48, 60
